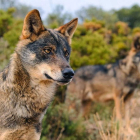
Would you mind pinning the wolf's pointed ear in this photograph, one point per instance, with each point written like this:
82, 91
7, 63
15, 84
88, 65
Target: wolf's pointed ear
136, 42
68, 29
32, 26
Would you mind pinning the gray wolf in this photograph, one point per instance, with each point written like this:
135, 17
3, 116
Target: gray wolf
28, 83
101, 83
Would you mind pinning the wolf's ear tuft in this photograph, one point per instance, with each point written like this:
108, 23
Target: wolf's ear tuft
32, 26
136, 42
68, 29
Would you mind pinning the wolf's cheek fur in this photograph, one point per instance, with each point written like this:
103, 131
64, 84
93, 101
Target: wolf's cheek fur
41, 69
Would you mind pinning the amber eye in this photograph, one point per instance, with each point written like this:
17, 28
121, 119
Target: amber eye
47, 50
66, 53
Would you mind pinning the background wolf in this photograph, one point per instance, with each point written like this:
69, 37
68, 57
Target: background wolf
116, 82
27, 84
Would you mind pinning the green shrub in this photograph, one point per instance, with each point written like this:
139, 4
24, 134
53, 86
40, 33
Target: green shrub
57, 123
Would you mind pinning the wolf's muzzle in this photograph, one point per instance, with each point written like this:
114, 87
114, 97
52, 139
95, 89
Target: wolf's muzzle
68, 73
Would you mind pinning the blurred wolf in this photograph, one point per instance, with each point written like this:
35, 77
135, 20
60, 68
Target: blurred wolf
116, 82
28, 83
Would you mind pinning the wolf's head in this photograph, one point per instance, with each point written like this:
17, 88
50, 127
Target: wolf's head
136, 50
45, 53
131, 64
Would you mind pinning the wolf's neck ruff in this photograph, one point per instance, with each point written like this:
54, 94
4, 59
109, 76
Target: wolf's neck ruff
17, 82
14, 75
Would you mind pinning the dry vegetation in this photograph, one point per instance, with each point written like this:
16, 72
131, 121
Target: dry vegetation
111, 129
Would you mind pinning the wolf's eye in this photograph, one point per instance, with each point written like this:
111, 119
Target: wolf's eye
47, 50
66, 53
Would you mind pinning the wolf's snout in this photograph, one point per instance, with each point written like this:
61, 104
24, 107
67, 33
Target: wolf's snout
68, 73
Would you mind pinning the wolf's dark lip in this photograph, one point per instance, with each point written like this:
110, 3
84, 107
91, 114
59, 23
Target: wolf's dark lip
59, 81
48, 76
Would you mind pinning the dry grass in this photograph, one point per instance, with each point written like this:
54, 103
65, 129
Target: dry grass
114, 130
110, 129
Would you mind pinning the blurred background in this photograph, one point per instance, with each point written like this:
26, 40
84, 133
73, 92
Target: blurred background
104, 35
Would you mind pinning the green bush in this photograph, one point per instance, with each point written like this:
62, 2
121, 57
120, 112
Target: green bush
6, 19
57, 123
10, 30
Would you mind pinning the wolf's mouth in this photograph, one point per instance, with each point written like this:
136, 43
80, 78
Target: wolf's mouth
63, 81
48, 76
59, 81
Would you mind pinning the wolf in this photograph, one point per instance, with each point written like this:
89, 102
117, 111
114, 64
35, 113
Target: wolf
100, 83
27, 85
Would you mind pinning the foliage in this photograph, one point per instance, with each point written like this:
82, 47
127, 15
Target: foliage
136, 30
90, 12
57, 17
10, 30
4, 53
130, 15
12, 36
94, 44
6, 19
122, 28
57, 124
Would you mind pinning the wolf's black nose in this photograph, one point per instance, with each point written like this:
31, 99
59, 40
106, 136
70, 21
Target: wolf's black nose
68, 73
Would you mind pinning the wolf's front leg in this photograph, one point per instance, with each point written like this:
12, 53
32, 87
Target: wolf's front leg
117, 101
86, 108
128, 115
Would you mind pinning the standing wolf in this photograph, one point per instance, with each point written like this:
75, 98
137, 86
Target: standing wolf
116, 82
28, 83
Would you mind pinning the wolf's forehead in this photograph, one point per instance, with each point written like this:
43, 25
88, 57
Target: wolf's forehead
59, 38
52, 37
54, 34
